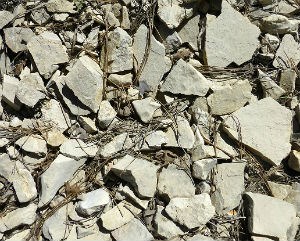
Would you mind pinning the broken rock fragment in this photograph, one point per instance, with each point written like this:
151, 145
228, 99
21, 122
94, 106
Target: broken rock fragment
278, 24
77, 149
34, 144
185, 79
5, 18
54, 53
16, 38
265, 127
106, 114
60, 6
146, 108
230, 38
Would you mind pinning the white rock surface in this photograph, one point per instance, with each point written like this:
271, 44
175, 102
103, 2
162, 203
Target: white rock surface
134, 230
92, 202
60, 6
85, 80
16, 38
203, 167
106, 114
5, 17
269, 87
34, 144
174, 182
265, 127
21, 179
140, 173
119, 51
229, 96
278, 24
278, 220
185, 79
146, 108
231, 37
156, 65
64, 168
165, 227
118, 216
190, 31
77, 149
229, 184
54, 53
191, 212
20, 216
129, 193
288, 53
121, 79
10, 86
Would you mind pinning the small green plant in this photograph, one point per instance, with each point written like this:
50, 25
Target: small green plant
79, 4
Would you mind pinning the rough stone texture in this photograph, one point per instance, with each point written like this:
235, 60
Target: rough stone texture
203, 167
155, 67
288, 80
156, 139
146, 108
54, 114
294, 160
34, 144
21, 179
76, 148
60, 6
92, 202
265, 127
280, 191
16, 38
121, 79
278, 220
134, 230
171, 13
231, 37
118, 216
229, 183
191, 212
190, 31
164, 227
229, 96
141, 174
128, 193
64, 168
5, 17
21, 216
9, 89
288, 53
54, 53
119, 51
278, 24
185, 79
173, 182
106, 114
85, 80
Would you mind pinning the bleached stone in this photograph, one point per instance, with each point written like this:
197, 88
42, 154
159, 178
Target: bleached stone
265, 127
54, 137
5, 17
16, 38
185, 79
278, 24
76, 148
146, 108
230, 38
190, 31
106, 114
60, 6
129, 193
203, 167
121, 79
10, 86
33, 144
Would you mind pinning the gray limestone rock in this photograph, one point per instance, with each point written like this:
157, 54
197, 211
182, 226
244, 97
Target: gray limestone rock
16, 38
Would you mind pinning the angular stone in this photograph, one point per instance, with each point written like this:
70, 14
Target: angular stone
288, 53
229, 96
118, 52
140, 173
174, 182
92, 202
229, 183
118, 216
54, 53
9, 90
294, 160
150, 73
21, 236
5, 17
269, 87
191, 212
203, 167
121, 80
54, 114
278, 24
60, 6
278, 220
134, 230
40, 16
64, 168
146, 108
128, 193
106, 114
54, 137
165, 227
31, 89
16, 38
265, 127
185, 79
88, 124
18, 217
34, 144
85, 80
171, 13
156, 139
230, 38
76, 148
288, 79
21, 179
280, 191
190, 31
